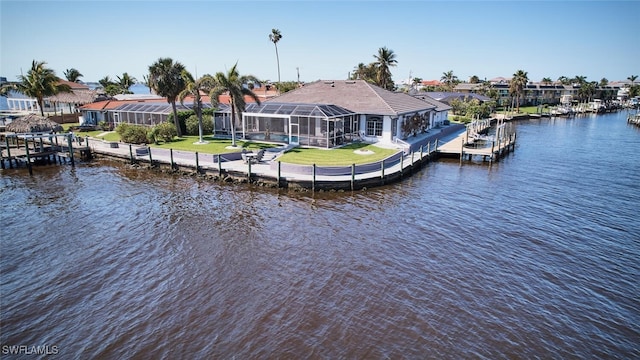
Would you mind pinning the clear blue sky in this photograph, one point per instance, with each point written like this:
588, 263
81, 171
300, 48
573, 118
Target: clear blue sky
325, 39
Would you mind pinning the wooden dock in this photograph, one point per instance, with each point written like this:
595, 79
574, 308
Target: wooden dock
469, 144
30, 149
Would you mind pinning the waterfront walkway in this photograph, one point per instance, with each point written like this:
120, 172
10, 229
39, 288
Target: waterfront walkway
412, 155
271, 172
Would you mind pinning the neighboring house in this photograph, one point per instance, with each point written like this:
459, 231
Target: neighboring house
140, 112
448, 97
538, 93
441, 111
66, 101
345, 107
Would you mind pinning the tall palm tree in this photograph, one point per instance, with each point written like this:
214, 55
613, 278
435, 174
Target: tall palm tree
73, 75
40, 82
275, 36
449, 79
165, 78
233, 84
385, 58
125, 82
195, 88
517, 85
632, 78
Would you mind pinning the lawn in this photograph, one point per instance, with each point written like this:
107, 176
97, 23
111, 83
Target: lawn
214, 146
343, 156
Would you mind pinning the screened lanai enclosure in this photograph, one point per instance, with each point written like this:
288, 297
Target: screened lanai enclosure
314, 125
147, 113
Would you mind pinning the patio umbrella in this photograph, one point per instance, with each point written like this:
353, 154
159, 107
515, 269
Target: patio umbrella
33, 123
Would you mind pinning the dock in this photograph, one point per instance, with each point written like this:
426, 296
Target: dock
475, 143
32, 148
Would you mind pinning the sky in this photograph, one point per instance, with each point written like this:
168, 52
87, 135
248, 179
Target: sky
324, 40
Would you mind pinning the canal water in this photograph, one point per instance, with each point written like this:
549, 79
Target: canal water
537, 256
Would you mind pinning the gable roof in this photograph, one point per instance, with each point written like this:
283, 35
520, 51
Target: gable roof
440, 106
355, 95
73, 85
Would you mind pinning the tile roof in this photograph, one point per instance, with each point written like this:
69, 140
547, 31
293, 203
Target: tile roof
73, 85
355, 95
440, 106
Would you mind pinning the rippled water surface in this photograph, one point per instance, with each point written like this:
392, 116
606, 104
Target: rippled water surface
535, 256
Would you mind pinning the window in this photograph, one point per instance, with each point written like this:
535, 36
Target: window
374, 126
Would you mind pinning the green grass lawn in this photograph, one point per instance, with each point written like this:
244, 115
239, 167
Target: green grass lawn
215, 146
343, 156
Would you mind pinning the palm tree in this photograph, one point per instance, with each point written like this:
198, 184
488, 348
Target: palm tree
125, 82
415, 82
73, 75
364, 72
195, 88
603, 82
449, 79
632, 78
517, 85
165, 78
564, 80
40, 82
105, 81
474, 79
586, 91
580, 80
275, 36
547, 81
233, 84
385, 58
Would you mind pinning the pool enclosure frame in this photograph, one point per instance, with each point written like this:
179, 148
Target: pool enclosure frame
313, 125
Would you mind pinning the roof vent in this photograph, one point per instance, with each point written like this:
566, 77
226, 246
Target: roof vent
350, 82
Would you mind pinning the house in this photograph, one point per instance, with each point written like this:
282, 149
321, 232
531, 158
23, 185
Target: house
80, 94
330, 113
441, 111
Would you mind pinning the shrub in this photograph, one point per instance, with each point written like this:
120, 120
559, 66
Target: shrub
193, 127
133, 134
165, 131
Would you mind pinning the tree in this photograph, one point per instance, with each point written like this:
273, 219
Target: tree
165, 78
385, 58
105, 81
233, 84
580, 80
275, 36
364, 72
415, 82
194, 88
603, 82
40, 82
73, 75
564, 80
517, 85
586, 91
632, 78
449, 80
474, 79
547, 81
125, 82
